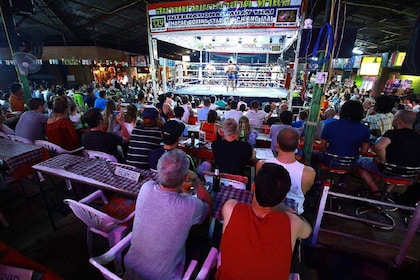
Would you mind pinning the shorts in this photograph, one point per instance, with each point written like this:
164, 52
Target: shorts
368, 164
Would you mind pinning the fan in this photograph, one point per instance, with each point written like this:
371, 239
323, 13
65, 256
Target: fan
26, 63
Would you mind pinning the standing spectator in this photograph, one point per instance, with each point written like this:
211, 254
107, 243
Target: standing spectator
303, 117
188, 111
179, 112
17, 100
257, 241
221, 103
31, 124
48, 92
230, 154
59, 128
162, 208
144, 138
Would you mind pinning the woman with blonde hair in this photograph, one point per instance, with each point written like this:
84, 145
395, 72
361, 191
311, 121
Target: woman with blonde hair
246, 133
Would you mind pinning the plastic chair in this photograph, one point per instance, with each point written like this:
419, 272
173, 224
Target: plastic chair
99, 222
209, 264
4, 135
54, 149
101, 155
20, 139
102, 260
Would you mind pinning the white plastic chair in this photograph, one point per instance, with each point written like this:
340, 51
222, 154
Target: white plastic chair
55, 149
101, 155
102, 260
20, 139
97, 221
209, 264
4, 135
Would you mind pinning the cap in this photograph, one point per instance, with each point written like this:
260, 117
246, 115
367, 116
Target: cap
172, 130
150, 113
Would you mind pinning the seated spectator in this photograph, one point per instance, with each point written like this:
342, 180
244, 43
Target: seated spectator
286, 118
203, 112
302, 176
381, 121
171, 133
221, 103
16, 99
59, 129
398, 146
246, 133
144, 138
257, 240
5, 105
346, 137
130, 120
233, 112
179, 112
101, 101
163, 219
74, 115
303, 117
242, 102
230, 154
98, 140
90, 98
256, 116
109, 116
211, 127
31, 124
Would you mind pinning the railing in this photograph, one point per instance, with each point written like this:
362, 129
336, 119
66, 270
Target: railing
406, 242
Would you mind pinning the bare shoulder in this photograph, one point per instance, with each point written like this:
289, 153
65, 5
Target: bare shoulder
300, 228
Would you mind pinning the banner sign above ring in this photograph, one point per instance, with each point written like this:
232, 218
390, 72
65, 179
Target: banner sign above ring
217, 15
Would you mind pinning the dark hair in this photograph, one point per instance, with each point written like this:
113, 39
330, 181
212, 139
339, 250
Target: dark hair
234, 104
179, 111
184, 99
207, 102
288, 139
242, 107
60, 104
272, 183
213, 99
286, 117
303, 115
15, 87
255, 104
131, 114
60, 92
92, 117
347, 96
34, 103
211, 116
384, 104
102, 93
140, 96
352, 110
267, 108
161, 98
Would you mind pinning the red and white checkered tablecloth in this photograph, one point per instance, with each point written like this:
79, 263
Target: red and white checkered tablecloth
16, 154
101, 171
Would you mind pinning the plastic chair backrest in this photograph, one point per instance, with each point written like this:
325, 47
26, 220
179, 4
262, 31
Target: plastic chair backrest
404, 172
4, 135
102, 260
20, 139
341, 162
101, 155
208, 265
51, 147
92, 217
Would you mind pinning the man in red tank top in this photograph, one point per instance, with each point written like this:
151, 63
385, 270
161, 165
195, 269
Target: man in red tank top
258, 241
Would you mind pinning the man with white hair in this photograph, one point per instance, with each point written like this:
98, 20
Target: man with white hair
230, 154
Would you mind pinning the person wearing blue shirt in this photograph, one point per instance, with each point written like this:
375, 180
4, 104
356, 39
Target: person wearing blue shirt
100, 102
203, 112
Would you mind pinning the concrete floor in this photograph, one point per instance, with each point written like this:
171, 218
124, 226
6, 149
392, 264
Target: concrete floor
64, 250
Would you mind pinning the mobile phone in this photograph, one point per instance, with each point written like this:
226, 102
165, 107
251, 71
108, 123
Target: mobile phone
115, 113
